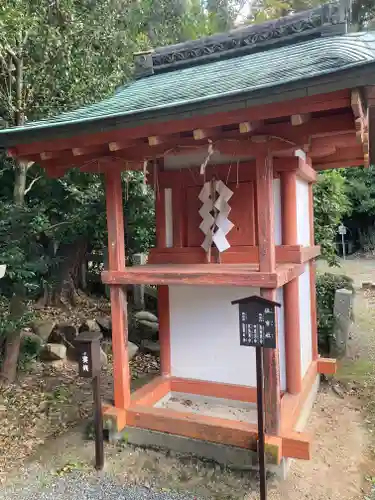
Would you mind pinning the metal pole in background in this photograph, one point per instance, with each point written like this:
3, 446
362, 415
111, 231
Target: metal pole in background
98, 418
343, 245
261, 452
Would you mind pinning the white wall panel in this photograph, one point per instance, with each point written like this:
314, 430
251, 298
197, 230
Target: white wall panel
303, 213
205, 335
277, 211
305, 319
281, 337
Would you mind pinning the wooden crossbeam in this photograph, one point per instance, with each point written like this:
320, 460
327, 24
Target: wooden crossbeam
247, 127
206, 133
308, 104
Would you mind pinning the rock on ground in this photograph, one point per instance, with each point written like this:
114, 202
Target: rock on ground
90, 325
53, 352
43, 328
132, 350
105, 324
145, 315
152, 347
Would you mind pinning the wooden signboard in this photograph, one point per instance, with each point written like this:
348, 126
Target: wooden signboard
257, 328
89, 365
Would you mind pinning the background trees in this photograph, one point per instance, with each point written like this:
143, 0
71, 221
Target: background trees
60, 54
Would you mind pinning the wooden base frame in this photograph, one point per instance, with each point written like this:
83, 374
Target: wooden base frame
142, 413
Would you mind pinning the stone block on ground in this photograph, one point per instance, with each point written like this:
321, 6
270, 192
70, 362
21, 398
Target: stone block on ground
132, 350
90, 325
43, 328
149, 325
63, 333
103, 358
146, 316
105, 324
151, 347
53, 352
343, 319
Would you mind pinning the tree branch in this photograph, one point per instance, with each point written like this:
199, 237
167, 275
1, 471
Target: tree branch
31, 184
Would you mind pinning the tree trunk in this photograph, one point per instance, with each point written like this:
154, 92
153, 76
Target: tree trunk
13, 342
17, 305
67, 277
19, 183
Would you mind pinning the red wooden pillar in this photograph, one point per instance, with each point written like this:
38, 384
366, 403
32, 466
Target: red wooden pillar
314, 322
116, 262
267, 263
291, 289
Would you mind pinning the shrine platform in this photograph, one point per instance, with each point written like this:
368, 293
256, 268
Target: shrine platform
204, 274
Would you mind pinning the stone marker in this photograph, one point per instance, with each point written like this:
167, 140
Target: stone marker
343, 320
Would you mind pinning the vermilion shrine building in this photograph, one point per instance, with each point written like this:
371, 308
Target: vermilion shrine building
232, 130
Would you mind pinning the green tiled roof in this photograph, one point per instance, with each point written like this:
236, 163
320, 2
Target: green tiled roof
227, 77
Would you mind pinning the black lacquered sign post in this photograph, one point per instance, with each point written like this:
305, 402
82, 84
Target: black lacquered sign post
257, 328
89, 365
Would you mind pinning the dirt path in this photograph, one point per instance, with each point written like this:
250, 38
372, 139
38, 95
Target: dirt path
342, 447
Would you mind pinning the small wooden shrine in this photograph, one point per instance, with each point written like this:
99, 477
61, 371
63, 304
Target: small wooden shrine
230, 131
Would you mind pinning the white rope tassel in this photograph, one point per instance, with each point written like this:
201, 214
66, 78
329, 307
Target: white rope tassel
210, 151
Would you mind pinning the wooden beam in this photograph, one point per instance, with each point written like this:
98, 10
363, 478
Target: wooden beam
214, 389
196, 426
300, 119
322, 102
247, 127
151, 393
206, 133
155, 140
291, 289
194, 274
297, 445
346, 140
267, 263
164, 329
46, 155
306, 172
357, 105
116, 263
327, 366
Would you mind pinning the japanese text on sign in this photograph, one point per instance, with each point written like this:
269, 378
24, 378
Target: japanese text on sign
257, 325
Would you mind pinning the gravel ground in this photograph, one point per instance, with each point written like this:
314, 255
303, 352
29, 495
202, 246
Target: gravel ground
82, 487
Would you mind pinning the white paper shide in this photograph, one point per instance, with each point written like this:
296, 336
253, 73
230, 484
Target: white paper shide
214, 211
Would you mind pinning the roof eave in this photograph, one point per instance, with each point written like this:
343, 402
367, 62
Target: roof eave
340, 80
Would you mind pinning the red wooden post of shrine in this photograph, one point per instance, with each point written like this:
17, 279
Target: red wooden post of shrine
291, 289
116, 262
267, 263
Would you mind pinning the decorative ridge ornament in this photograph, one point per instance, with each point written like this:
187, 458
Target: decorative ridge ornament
327, 19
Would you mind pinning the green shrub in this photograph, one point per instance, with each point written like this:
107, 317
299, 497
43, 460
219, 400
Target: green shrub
326, 286
29, 351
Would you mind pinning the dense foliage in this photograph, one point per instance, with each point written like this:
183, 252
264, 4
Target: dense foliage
326, 286
331, 203
59, 54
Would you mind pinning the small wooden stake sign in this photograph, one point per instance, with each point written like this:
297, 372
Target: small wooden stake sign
257, 322
88, 347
